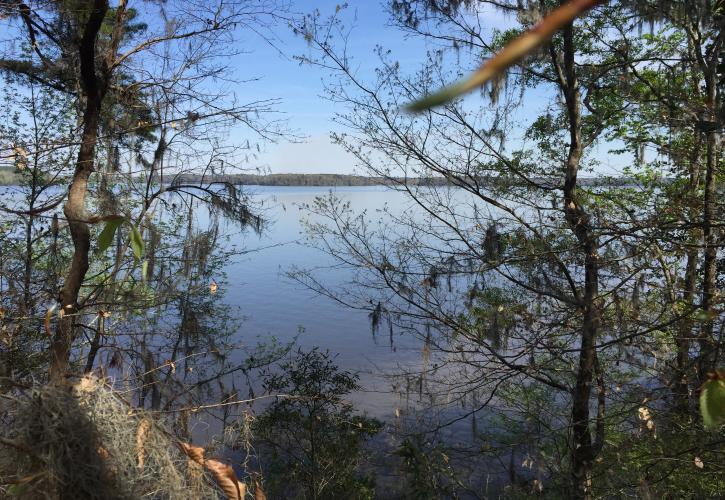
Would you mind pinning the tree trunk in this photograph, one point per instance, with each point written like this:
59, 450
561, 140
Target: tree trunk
583, 452
683, 337
93, 90
711, 124
582, 445
75, 212
706, 359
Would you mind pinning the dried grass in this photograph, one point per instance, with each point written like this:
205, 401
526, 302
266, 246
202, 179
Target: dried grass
83, 441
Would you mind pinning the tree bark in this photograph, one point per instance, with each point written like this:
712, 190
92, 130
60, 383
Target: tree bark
583, 452
93, 89
683, 337
711, 124
706, 358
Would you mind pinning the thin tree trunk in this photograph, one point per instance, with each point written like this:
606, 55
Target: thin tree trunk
683, 338
28, 271
706, 359
711, 124
582, 454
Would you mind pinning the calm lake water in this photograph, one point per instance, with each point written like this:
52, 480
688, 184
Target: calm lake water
269, 304
276, 306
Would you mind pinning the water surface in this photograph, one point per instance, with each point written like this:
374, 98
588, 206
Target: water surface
275, 305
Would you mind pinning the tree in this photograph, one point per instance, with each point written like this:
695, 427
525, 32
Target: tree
309, 440
40, 120
88, 52
548, 283
674, 102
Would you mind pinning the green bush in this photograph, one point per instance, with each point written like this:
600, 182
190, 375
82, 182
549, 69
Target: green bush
309, 441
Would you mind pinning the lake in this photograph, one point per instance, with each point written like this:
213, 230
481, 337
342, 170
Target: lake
271, 305
275, 305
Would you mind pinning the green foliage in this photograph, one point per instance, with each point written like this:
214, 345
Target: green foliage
674, 461
309, 440
712, 402
430, 474
8, 176
109, 230
137, 244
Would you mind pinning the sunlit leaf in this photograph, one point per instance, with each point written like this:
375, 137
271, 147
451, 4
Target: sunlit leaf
509, 55
106, 237
712, 401
137, 244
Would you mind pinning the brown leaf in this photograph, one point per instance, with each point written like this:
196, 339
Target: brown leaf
46, 322
109, 469
196, 453
141, 435
195, 473
104, 453
227, 479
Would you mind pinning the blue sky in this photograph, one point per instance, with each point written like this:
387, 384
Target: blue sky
301, 86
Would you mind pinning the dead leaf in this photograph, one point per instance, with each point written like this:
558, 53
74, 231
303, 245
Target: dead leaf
258, 490
196, 453
141, 435
87, 383
227, 479
21, 157
48, 315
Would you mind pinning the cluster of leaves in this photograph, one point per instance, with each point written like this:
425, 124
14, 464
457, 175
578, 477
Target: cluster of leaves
309, 440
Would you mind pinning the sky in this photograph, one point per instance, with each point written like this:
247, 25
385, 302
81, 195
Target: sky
270, 71
301, 87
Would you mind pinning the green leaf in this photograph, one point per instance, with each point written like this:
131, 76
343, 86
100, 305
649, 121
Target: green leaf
144, 270
16, 490
136, 243
712, 403
106, 237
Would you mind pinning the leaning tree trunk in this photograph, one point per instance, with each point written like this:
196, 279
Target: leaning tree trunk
93, 89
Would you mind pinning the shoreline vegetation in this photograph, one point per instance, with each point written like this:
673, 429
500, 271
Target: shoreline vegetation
11, 177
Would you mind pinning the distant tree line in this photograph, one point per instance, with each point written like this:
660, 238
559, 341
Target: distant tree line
361, 180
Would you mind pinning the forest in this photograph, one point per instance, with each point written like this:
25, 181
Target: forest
546, 270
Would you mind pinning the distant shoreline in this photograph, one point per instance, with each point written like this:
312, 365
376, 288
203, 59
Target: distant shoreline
329, 180
10, 177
